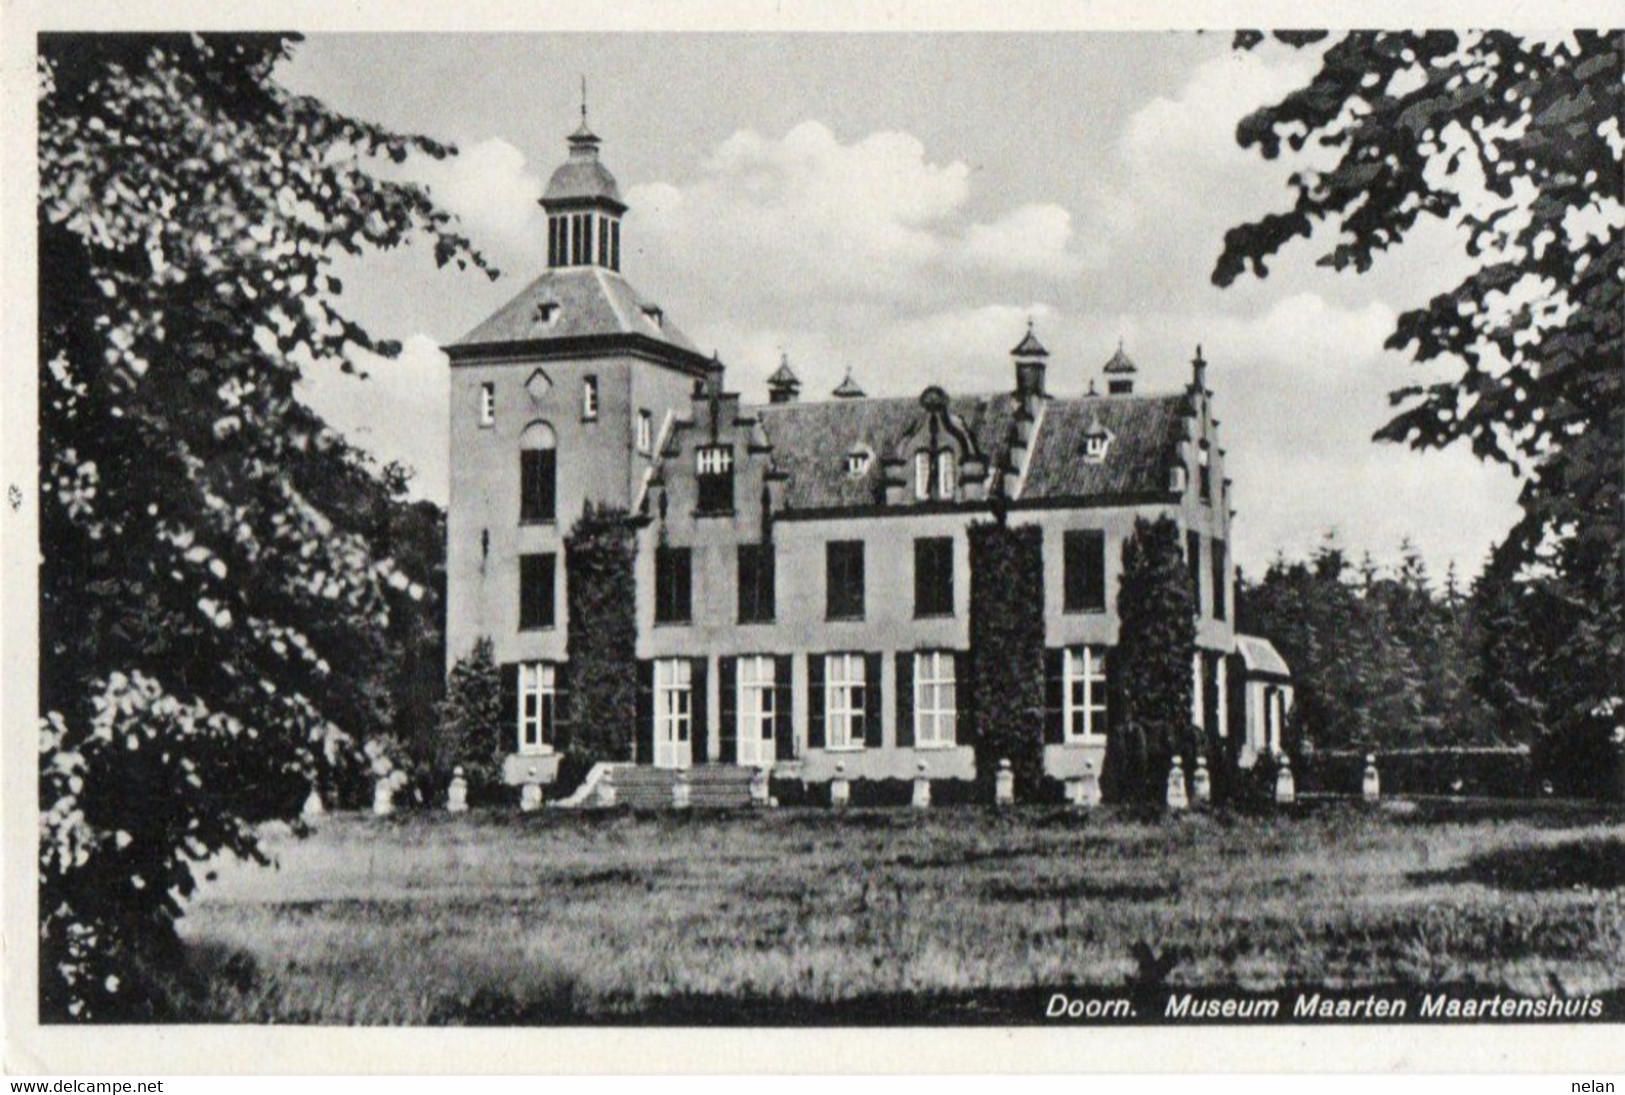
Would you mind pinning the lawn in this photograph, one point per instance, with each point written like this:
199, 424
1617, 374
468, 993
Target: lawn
799, 914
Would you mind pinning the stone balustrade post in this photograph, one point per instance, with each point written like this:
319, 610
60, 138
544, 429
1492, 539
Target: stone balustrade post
1286, 792
1177, 799
1201, 782
1370, 782
922, 789
457, 793
681, 792
1004, 785
530, 793
840, 790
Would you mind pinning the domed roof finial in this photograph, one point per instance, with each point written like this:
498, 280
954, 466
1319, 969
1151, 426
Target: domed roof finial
1029, 346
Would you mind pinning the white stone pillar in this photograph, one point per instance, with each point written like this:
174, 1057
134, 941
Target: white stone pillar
1201, 782
922, 789
1177, 799
457, 793
530, 794
1286, 792
1370, 782
840, 791
1004, 785
681, 793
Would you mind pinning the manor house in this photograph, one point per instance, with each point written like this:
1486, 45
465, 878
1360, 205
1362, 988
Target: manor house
802, 569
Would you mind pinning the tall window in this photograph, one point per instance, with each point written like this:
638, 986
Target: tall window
947, 474
756, 710
1084, 563
1204, 472
922, 475
674, 700
536, 602
488, 404
934, 576
934, 691
538, 474
1220, 566
1193, 562
843, 579
1085, 695
646, 432
756, 583
614, 245
538, 706
714, 472
589, 398
844, 695
603, 241
673, 586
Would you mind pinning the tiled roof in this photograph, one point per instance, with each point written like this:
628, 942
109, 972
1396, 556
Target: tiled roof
1144, 430
1029, 347
1119, 363
810, 442
783, 374
589, 300
1260, 656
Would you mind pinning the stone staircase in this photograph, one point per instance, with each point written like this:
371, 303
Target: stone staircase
710, 787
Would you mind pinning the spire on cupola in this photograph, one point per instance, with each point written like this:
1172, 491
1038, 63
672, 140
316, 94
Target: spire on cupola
583, 205
1120, 372
848, 388
1029, 356
783, 386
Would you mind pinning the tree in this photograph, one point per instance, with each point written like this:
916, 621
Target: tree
1151, 670
472, 733
1513, 140
599, 555
214, 618
1007, 643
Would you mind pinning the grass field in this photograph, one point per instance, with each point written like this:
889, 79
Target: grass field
558, 917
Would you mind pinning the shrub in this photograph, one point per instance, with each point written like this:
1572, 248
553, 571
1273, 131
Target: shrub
1151, 668
473, 733
599, 555
1007, 644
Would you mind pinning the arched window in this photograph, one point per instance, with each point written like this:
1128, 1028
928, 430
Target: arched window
538, 474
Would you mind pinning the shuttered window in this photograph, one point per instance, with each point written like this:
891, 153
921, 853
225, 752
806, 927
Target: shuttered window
846, 687
536, 582
756, 583
1085, 693
538, 711
673, 585
934, 576
843, 579
1084, 564
936, 695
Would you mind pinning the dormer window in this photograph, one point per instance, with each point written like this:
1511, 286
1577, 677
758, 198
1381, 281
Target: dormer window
547, 311
922, 475
1097, 439
714, 472
655, 314
947, 474
857, 463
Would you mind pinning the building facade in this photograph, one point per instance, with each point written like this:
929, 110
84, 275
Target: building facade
803, 566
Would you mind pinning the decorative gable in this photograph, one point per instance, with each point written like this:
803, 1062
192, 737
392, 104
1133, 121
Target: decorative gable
539, 385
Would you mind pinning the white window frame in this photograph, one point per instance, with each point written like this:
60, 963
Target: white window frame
845, 684
713, 460
936, 715
922, 475
488, 404
1085, 670
1094, 446
857, 463
589, 398
538, 707
756, 706
947, 473
646, 432
674, 700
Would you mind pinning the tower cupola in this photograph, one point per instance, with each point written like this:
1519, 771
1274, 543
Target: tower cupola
583, 205
1120, 373
783, 386
1030, 358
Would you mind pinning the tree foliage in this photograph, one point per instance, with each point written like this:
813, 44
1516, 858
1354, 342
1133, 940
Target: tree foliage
600, 553
472, 733
1379, 660
1007, 643
1515, 141
214, 614
1151, 677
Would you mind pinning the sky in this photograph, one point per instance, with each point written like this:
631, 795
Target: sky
901, 205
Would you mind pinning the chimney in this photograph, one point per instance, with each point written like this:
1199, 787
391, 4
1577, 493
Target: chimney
1029, 356
1198, 371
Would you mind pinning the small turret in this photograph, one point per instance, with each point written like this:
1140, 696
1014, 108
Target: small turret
848, 388
783, 386
1120, 373
1030, 359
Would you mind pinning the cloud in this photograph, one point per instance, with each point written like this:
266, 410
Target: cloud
494, 196
397, 411
805, 217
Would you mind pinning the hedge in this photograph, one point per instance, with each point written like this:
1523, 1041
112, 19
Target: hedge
1495, 772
